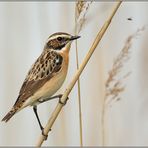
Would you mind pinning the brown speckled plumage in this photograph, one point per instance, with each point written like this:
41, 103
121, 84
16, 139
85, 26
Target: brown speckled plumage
45, 65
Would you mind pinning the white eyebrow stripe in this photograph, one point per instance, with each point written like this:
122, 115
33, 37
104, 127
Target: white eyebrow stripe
54, 37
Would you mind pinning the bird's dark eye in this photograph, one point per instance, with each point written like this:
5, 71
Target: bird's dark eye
59, 38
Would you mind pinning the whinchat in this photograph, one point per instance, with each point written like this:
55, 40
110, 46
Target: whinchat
46, 75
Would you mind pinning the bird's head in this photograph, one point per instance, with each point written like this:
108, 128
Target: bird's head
60, 41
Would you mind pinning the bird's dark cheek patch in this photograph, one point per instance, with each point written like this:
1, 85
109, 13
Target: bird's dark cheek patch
59, 47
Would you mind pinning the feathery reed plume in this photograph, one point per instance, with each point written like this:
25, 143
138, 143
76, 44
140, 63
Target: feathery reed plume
82, 8
80, 4
113, 85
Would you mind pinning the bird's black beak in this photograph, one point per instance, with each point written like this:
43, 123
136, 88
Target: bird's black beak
74, 38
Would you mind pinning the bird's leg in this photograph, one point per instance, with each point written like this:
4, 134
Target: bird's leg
41, 127
47, 99
54, 97
42, 101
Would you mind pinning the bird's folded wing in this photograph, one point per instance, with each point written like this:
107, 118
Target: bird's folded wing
45, 67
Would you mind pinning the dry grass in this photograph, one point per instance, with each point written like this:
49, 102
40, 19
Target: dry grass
80, 4
82, 8
114, 85
79, 8
59, 106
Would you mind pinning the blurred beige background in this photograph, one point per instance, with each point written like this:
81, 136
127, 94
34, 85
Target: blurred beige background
24, 28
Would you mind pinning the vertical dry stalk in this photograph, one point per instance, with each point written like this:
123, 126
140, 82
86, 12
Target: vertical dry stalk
113, 85
80, 7
79, 99
59, 106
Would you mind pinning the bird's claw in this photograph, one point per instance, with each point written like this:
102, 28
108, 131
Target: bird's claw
63, 103
45, 136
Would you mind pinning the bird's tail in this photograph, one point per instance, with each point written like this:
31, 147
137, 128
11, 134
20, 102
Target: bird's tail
9, 114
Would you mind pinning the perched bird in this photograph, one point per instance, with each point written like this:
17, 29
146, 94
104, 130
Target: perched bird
46, 75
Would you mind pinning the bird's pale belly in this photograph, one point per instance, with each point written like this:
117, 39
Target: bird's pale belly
52, 86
